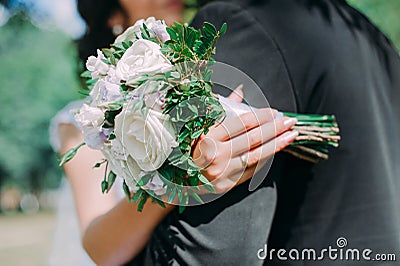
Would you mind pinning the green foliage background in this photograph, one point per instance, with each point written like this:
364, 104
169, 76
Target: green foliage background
385, 14
38, 77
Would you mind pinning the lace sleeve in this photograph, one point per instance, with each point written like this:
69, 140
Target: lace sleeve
63, 116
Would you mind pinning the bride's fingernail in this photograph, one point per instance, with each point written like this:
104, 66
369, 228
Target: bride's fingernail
279, 115
289, 121
239, 88
290, 136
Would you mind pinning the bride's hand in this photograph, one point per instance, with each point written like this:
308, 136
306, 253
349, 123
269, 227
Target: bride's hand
232, 152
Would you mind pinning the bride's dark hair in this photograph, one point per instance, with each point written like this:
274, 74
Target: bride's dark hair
96, 14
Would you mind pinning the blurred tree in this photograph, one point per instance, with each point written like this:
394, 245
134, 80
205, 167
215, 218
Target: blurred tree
38, 77
191, 7
385, 14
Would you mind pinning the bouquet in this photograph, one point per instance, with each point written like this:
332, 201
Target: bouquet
150, 98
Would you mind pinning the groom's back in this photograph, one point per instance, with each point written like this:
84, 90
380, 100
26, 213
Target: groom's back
339, 63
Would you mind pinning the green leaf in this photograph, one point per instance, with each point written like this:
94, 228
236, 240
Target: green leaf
172, 195
180, 196
175, 74
196, 188
111, 180
172, 33
137, 195
145, 32
182, 208
97, 165
193, 165
183, 135
69, 155
207, 185
107, 52
118, 47
190, 38
208, 34
207, 76
127, 44
113, 60
112, 136
159, 202
210, 28
126, 190
196, 197
145, 179
142, 202
104, 186
223, 29
193, 108
203, 179
86, 74
184, 202
197, 134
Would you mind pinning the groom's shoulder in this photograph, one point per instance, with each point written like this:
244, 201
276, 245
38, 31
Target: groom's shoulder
217, 12
304, 18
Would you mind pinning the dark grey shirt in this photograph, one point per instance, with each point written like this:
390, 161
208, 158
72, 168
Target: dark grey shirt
308, 56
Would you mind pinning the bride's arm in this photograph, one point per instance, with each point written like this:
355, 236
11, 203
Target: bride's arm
113, 232
119, 235
85, 181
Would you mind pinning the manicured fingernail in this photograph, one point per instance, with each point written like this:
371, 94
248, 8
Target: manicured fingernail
240, 87
289, 121
279, 115
290, 136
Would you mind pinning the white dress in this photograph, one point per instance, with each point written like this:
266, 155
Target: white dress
67, 248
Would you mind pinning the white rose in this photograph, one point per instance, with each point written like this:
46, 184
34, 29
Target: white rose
149, 139
104, 91
117, 150
143, 57
112, 77
158, 26
126, 169
97, 66
89, 116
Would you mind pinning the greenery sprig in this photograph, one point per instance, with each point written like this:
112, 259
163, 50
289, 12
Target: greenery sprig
191, 105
